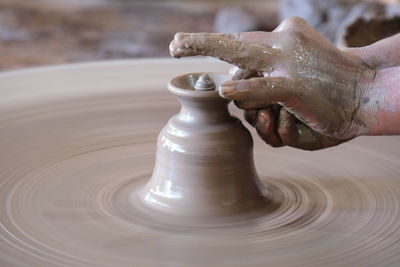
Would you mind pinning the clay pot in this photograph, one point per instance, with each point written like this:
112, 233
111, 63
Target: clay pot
204, 164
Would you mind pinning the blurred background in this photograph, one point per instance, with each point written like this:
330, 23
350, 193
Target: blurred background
46, 32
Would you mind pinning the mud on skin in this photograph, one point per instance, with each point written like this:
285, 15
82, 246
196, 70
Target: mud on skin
330, 95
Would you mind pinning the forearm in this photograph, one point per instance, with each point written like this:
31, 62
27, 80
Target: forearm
380, 55
381, 103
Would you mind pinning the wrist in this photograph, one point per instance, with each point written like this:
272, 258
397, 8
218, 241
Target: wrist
380, 102
365, 100
380, 55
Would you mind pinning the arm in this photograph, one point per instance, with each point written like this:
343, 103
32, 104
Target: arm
382, 108
307, 93
382, 54
381, 100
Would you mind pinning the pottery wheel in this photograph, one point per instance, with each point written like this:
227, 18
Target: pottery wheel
74, 140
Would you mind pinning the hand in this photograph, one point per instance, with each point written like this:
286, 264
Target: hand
321, 89
278, 127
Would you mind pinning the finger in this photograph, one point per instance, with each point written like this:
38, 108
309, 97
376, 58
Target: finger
287, 128
243, 54
251, 116
236, 73
250, 105
270, 39
296, 134
293, 24
266, 128
265, 89
310, 139
258, 37
299, 135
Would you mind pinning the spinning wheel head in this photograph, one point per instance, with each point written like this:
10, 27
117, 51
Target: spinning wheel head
77, 150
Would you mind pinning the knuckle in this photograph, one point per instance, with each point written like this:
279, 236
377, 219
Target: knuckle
292, 23
295, 21
236, 36
283, 131
299, 37
179, 37
235, 73
256, 82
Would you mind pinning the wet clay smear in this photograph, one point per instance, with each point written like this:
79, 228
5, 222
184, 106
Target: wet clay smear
70, 167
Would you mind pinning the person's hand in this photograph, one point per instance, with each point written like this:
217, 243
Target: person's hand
321, 89
278, 127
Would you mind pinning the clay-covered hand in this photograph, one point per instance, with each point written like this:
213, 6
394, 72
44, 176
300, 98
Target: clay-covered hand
321, 89
278, 127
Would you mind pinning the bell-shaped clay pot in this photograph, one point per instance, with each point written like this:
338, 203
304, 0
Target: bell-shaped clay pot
204, 164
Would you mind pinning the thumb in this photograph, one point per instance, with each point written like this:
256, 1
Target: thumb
237, 73
266, 89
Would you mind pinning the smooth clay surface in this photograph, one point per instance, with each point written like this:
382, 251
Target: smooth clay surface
204, 171
77, 141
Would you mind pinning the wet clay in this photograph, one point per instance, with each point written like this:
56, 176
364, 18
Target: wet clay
73, 160
228, 47
204, 161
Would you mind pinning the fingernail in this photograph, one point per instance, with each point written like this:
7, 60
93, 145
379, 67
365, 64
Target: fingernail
226, 88
262, 117
172, 51
179, 36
